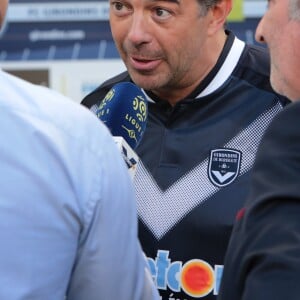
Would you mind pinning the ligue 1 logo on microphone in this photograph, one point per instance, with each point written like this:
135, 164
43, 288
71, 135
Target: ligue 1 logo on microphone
136, 119
124, 110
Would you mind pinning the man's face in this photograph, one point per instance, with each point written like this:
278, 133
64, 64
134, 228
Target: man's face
282, 35
162, 43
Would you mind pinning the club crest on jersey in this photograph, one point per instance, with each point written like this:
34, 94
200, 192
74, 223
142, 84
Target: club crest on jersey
224, 166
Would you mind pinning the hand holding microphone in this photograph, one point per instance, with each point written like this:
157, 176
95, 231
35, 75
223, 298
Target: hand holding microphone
124, 110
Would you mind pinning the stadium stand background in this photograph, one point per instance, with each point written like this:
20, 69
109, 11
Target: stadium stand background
67, 44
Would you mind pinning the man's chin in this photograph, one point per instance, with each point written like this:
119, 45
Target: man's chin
144, 81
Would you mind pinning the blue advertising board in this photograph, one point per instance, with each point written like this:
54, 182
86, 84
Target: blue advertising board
55, 30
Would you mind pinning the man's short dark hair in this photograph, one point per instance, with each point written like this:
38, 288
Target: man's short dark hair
206, 5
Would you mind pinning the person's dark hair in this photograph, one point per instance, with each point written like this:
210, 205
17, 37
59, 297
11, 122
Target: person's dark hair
206, 5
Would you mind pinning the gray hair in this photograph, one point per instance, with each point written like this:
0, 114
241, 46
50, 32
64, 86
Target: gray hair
206, 5
294, 9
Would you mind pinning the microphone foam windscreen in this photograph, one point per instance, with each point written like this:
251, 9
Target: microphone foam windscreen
124, 110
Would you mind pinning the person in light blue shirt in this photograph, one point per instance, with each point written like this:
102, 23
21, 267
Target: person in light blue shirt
68, 223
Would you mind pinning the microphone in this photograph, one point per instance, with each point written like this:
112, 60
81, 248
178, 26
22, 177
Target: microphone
124, 110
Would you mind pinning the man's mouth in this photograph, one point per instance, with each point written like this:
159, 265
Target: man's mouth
144, 64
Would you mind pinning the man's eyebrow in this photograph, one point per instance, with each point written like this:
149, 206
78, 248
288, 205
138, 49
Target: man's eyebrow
172, 1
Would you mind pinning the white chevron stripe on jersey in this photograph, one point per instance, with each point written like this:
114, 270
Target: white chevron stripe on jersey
164, 209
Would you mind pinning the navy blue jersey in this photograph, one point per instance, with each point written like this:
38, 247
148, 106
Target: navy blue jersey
196, 159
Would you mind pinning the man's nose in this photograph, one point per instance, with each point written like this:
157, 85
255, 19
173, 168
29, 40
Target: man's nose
139, 31
259, 36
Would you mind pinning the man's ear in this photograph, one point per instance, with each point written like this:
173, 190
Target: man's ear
219, 14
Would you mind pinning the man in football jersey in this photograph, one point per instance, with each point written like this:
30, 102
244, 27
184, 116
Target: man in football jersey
263, 261
210, 102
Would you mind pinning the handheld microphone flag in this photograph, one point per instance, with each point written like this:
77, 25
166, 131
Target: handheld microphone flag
124, 110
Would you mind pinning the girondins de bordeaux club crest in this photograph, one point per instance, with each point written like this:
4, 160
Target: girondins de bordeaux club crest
224, 166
